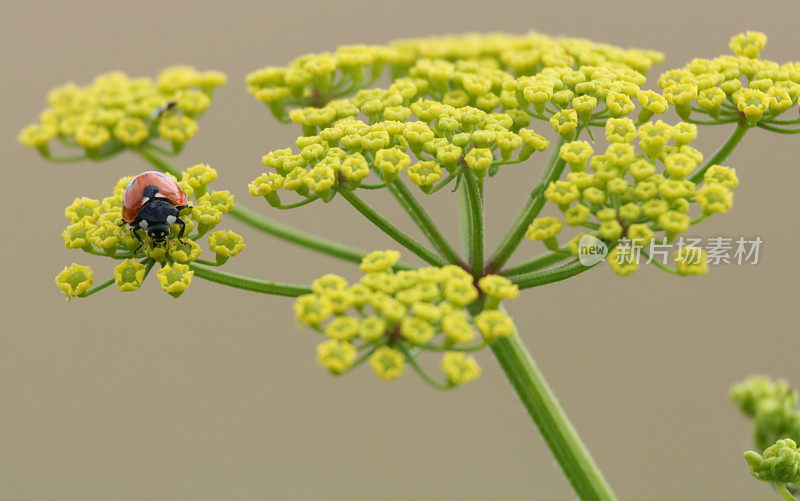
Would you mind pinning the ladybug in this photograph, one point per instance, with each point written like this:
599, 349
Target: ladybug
152, 202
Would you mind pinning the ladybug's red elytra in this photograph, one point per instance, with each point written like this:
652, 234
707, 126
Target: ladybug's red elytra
152, 202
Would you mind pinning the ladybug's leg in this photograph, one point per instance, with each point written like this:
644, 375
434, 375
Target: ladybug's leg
134, 227
182, 224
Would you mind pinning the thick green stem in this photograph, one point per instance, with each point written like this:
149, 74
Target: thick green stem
550, 418
531, 209
538, 262
463, 217
387, 227
551, 275
270, 226
476, 238
250, 284
424, 221
723, 151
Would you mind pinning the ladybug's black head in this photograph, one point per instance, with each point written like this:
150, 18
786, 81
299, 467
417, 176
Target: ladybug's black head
158, 232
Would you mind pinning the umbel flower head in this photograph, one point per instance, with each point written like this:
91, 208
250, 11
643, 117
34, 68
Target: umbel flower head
116, 111
348, 153
96, 227
647, 187
731, 87
441, 117
462, 69
391, 318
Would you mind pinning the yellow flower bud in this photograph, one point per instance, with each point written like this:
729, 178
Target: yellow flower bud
74, 280
175, 278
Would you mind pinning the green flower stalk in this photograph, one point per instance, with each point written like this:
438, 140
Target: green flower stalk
459, 111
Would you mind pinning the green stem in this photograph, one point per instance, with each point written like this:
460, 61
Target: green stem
362, 358
387, 227
779, 129
270, 226
711, 122
784, 122
444, 182
723, 151
463, 217
476, 237
474, 347
531, 209
97, 288
784, 492
247, 283
295, 205
421, 372
424, 221
661, 266
550, 418
152, 156
206, 262
549, 276
538, 262
301, 238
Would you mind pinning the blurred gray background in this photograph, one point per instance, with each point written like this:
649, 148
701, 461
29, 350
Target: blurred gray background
217, 395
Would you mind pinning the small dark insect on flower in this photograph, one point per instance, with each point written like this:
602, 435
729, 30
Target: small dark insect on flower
162, 109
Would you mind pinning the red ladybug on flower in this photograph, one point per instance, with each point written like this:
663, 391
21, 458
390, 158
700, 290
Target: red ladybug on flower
152, 202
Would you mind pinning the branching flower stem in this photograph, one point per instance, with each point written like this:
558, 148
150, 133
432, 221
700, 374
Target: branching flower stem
543, 277
247, 283
518, 365
724, 151
432, 232
538, 262
391, 230
531, 209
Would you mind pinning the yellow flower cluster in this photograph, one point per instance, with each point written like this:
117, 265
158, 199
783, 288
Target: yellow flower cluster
730, 86
454, 103
96, 227
461, 70
443, 141
389, 318
116, 111
632, 195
